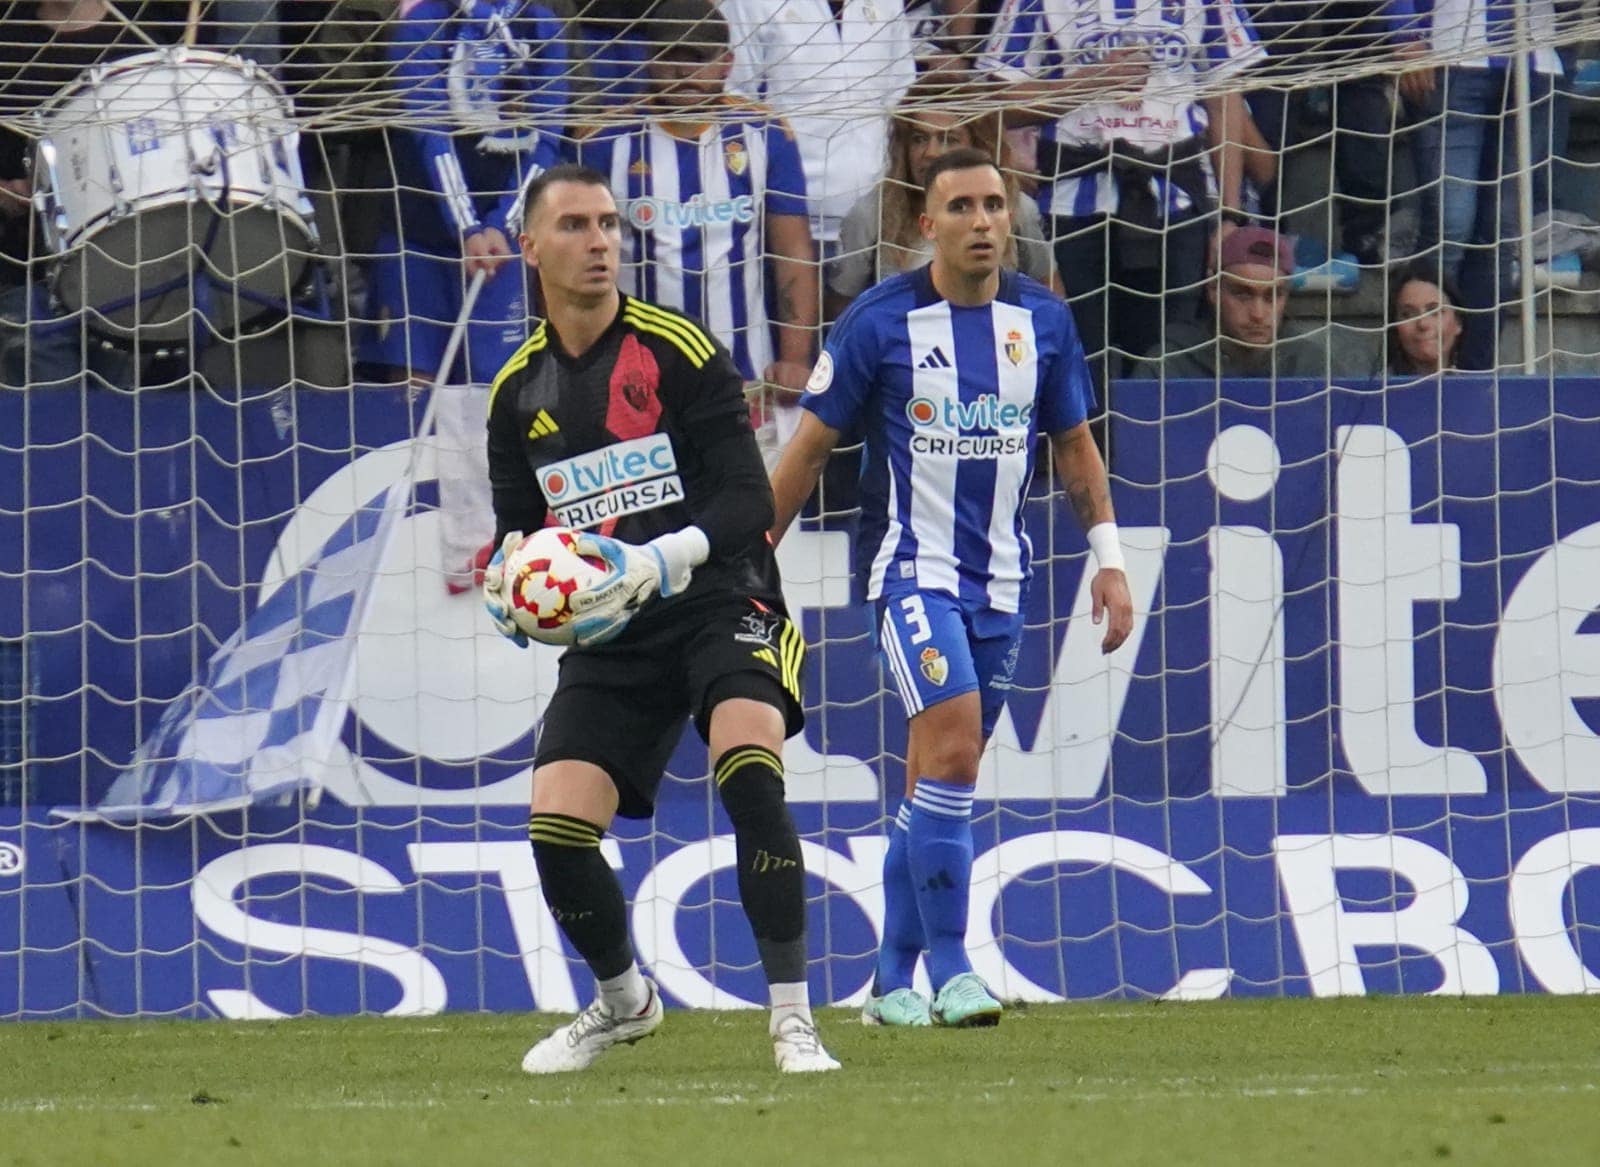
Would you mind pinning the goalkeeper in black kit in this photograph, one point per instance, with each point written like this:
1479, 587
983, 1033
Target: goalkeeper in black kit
627, 422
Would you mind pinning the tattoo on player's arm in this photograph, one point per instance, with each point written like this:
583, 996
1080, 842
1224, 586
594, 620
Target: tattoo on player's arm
1089, 500
795, 326
786, 308
1083, 478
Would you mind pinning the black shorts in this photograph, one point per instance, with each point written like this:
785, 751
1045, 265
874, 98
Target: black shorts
622, 706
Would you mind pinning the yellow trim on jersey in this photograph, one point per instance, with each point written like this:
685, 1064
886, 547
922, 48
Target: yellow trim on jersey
672, 338
793, 648
683, 334
674, 320
518, 362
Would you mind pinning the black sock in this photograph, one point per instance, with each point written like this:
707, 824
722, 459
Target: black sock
582, 891
772, 875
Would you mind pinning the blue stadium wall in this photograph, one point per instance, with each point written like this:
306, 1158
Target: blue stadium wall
1357, 750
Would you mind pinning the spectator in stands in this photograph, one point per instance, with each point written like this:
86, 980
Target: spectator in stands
487, 79
44, 47
1126, 167
1424, 326
709, 187
943, 35
1304, 40
882, 236
1467, 153
611, 47
1249, 338
835, 69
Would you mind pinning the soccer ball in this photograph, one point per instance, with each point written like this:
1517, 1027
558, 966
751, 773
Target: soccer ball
542, 574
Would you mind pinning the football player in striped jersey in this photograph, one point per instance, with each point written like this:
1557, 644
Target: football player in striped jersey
952, 371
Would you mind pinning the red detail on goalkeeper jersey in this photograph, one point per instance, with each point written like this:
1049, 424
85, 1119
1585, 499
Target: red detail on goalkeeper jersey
634, 408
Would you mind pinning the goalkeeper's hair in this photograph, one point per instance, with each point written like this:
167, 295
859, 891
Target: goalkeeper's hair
565, 172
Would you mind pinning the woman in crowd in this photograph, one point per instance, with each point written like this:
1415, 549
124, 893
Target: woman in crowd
880, 236
1424, 324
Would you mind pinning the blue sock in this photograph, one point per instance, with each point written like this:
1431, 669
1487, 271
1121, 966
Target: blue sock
940, 850
902, 922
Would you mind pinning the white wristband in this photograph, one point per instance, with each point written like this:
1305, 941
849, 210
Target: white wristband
1107, 547
683, 549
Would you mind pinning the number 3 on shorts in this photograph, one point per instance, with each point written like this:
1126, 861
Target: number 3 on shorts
917, 619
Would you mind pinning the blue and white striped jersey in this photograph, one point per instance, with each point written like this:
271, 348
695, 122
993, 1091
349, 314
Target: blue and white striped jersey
1187, 39
480, 71
694, 203
949, 400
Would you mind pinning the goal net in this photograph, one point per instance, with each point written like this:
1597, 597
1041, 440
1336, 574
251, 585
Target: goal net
1335, 270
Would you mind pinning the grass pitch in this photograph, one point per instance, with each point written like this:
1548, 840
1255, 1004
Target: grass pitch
1235, 1084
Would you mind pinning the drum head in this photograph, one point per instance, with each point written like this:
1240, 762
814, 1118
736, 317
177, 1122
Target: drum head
150, 273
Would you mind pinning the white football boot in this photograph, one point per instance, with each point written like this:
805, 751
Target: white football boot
576, 1045
797, 1048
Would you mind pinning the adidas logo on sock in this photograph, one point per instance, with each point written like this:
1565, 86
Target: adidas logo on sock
934, 360
940, 881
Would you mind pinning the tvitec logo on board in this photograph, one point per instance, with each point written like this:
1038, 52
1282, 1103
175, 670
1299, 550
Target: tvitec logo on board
1348, 630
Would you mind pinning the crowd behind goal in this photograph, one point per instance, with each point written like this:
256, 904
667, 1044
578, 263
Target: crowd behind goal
1349, 189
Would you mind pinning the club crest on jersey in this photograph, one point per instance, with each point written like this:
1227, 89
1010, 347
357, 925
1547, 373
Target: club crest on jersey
1016, 349
934, 665
736, 157
634, 408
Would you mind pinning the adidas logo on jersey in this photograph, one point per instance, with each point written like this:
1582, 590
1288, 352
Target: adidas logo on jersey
543, 425
935, 360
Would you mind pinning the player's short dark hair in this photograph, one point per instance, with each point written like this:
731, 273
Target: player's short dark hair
565, 172
961, 158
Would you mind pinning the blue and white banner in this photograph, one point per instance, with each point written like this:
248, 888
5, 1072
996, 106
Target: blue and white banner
266, 717
1352, 746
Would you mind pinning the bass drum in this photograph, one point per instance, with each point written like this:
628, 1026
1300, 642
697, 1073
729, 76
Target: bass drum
169, 183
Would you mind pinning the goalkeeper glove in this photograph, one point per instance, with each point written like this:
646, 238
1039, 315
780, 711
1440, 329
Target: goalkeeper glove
662, 566
494, 600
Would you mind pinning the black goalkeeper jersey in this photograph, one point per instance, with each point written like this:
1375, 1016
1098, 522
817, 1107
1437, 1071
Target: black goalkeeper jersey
646, 432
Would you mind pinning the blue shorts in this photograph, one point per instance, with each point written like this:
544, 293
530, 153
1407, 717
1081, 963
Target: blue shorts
413, 299
934, 649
